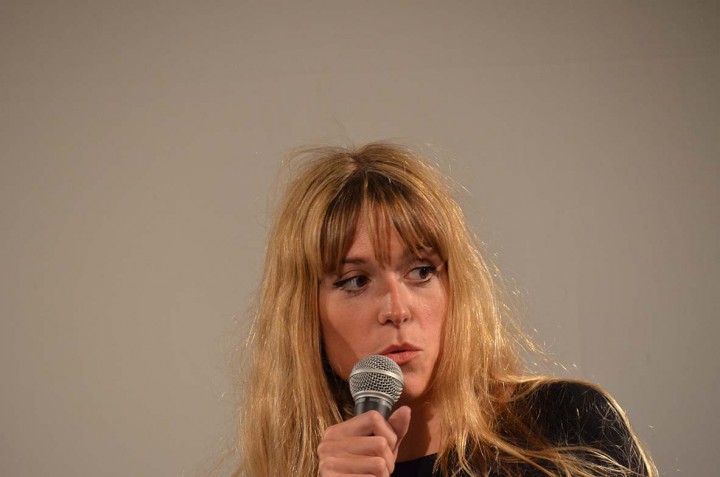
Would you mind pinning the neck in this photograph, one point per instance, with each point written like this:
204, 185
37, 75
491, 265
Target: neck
423, 436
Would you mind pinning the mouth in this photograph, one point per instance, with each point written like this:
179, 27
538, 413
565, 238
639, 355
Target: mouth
401, 353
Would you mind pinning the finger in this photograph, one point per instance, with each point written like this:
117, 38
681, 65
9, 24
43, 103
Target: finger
400, 422
377, 425
367, 424
354, 465
371, 446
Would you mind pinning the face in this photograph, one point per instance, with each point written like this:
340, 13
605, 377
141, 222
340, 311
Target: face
395, 309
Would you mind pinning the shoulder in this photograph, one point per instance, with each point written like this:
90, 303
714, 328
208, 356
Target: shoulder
577, 413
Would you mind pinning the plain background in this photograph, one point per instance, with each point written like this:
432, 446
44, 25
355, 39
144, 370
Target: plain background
140, 141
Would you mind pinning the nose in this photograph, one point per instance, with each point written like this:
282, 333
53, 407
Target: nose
394, 308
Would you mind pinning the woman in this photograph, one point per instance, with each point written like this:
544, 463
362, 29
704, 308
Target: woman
369, 254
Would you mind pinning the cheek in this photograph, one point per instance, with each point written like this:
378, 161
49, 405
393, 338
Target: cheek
438, 313
337, 338
340, 349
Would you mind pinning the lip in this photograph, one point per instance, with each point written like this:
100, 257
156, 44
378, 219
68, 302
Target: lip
401, 353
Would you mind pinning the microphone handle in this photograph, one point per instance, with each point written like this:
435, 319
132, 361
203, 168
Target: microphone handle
372, 403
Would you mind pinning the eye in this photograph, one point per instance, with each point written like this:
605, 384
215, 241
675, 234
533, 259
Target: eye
422, 274
352, 284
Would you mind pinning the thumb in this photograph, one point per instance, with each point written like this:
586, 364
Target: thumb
400, 422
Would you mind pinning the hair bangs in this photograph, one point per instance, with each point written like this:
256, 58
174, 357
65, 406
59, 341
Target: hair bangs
410, 214
338, 229
386, 206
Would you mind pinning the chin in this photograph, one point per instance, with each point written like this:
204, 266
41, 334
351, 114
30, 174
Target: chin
412, 393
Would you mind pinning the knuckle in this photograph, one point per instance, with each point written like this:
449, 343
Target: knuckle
378, 466
378, 444
330, 432
391, 441
326, 464
376, 417
322, 449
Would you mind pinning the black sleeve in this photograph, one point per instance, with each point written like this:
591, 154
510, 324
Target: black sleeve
577, 414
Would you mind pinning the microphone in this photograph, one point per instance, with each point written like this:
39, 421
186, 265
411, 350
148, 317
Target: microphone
376, 383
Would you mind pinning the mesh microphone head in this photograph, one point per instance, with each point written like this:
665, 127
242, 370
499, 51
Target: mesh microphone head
376, 374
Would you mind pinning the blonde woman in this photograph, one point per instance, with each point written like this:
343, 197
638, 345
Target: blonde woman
370, 254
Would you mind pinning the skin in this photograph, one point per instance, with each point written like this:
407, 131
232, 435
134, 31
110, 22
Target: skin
397, 309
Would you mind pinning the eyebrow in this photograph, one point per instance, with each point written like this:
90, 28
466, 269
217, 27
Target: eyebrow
353, 261
407, 255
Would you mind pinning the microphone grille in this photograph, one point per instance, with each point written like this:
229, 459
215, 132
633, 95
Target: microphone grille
379, 374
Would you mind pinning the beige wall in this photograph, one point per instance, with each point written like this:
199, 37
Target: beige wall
139, 141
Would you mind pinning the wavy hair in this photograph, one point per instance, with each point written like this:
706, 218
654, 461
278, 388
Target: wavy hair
292, 396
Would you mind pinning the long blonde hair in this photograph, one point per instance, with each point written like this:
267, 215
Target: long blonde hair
292, 395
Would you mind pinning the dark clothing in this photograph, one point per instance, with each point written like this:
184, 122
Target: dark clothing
563, 413
416, 468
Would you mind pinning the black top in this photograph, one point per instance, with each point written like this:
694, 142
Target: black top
564, 413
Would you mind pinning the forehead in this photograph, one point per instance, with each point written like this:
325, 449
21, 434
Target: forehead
376, 222
366, 247
364, 244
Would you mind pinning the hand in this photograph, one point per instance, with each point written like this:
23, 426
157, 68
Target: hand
364, 445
